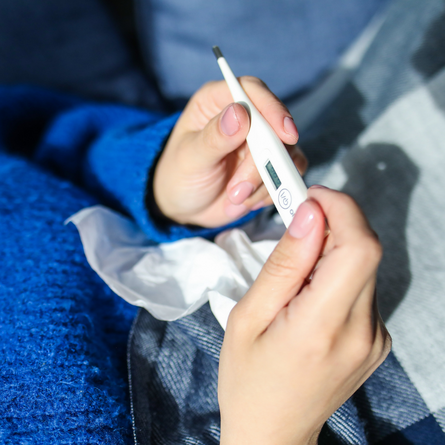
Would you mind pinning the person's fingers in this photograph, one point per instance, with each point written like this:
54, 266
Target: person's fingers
259, 199
355, 247
274, 111
222, 135
365, 323
227, 131
215, 96
205, 104
345, 218
246, 182
233, 211
367, 337
284, 272
364, 305
332, 300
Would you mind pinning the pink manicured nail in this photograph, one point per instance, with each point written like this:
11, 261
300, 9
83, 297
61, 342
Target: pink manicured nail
229, 122
234, 211
290, 127
303, 222
240, 192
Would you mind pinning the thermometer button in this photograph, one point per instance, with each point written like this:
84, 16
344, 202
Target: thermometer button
284, 198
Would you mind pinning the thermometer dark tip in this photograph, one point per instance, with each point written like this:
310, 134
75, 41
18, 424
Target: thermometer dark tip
217, 52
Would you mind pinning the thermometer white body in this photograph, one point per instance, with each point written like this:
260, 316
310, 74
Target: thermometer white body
277, 170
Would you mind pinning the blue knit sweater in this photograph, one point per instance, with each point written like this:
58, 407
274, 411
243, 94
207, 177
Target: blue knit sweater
62, 359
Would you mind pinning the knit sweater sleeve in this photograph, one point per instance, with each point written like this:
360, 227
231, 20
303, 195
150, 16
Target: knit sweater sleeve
110, 150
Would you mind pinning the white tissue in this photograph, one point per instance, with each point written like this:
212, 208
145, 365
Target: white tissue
175, 279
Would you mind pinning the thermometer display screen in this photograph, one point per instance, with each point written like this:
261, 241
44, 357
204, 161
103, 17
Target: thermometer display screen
273, 175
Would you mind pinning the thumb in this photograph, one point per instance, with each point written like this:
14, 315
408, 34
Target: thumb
223, 134
286, 270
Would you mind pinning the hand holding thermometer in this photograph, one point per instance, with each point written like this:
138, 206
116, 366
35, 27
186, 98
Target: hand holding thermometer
276, 168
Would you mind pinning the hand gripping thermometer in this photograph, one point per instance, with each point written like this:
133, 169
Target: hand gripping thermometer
276, 168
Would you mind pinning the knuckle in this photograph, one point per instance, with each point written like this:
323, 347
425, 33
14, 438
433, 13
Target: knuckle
280, 264
361, 346
366, 241
373, 244
323, 345
345, 200
367, 251
318, 352
363, 349
372, 249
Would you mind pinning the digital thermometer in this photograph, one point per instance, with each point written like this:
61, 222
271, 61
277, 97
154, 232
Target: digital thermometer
277, 170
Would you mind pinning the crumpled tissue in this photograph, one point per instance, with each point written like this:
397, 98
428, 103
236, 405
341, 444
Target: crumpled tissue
175, 279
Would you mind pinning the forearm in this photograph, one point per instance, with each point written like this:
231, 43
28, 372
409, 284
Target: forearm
108, 149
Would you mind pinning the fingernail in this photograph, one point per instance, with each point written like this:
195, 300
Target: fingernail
234, 211
258, 206
303, 222
240, 192
229, 122
318, 186
290, 127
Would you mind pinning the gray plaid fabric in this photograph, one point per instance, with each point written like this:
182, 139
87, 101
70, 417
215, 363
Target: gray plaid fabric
381, 141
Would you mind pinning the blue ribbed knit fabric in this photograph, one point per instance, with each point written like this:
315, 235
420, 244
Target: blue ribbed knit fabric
62, 362
63, 331
107, 149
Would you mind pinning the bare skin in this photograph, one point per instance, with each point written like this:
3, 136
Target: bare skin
295, 348
201, 169
294, 351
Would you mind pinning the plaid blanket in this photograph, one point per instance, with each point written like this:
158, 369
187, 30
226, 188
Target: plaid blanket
381, 141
